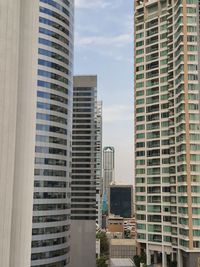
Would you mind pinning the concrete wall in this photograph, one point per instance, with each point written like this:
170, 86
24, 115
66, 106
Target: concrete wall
121, 262
9, 32
116, 228
85, 81
191, 259
122, 251
18, 31
25, 136
83, 243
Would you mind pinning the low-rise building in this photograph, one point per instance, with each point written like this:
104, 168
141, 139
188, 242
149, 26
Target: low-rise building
116, 262
122, 248
114, 235
115, 224
129, 228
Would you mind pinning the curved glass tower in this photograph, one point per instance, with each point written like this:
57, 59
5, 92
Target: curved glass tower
51, 204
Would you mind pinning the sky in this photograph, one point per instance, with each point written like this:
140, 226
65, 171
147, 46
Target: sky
104, 47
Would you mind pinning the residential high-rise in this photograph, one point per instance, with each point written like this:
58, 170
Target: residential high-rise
167, 130
108, 168
84, 168
99, 178
36, 108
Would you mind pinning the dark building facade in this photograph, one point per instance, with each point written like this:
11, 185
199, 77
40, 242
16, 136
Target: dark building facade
121, 200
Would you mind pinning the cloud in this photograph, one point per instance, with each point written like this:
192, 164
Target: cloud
118, 40
92, 4
116, 55
125, 22
117, 113
107, 46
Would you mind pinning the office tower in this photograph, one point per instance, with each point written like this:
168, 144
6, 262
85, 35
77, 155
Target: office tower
167, 130
36, 97
108, 168
99, 179
121, 200
84, 167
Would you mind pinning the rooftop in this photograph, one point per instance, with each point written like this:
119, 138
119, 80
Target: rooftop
121, 262
123, 242
115, 217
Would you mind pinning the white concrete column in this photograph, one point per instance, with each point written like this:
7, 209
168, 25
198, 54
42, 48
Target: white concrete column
172, 256
9, 47
180, 259
164, 259
22, 206
148, 253
155, 257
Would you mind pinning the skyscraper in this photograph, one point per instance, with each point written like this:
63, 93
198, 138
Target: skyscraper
99, 178
167, 130
36, 109
84, 172
108, 168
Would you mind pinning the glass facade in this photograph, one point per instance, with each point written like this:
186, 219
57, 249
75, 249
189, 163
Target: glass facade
84, 151
99, 178
120, 201
51, 209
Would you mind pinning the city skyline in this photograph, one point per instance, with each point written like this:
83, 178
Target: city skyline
100, 133
106, 39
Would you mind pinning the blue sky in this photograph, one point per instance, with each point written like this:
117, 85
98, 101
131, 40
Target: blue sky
104, 46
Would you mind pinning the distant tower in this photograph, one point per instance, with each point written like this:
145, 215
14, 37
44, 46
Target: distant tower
84, 172
108, 168
99, 180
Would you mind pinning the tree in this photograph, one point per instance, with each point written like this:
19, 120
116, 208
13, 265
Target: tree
143, 257
101, 262
136, 260
104, 245
140, 259
173, 264
104, 249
